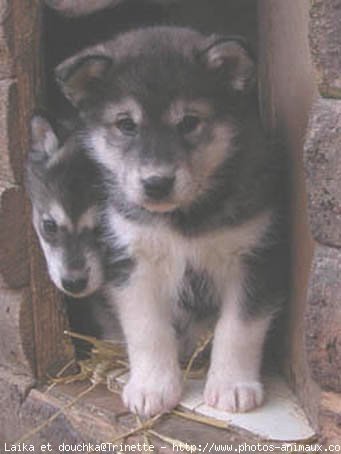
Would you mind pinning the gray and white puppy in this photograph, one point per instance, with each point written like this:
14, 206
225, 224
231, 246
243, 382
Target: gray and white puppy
63, 184
194, 205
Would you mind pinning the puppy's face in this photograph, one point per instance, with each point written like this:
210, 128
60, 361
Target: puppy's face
65, 213
165, 163
70, 249
161, 112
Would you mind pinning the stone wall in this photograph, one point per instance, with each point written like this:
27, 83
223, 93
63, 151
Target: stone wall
323, 171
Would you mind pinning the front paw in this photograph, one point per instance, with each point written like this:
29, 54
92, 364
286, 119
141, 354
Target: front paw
238, 396
157, 393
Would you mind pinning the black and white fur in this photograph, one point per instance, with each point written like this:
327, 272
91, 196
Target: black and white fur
63, 184
194, 205
65, 191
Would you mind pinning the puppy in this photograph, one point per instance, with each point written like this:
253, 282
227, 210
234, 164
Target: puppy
63, 184
194, 205
66, 195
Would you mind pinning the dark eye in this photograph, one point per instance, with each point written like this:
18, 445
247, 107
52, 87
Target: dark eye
50, 227
127, 126
188, 124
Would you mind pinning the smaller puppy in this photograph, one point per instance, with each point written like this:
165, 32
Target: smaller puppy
64, 188
63, 185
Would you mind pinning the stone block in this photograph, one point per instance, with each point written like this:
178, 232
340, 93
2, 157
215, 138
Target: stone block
6, 40
325, 42
323, 318
14, 388
323, 169
330, 418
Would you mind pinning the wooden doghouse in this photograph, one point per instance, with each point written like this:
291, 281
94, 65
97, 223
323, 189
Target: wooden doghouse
299, 44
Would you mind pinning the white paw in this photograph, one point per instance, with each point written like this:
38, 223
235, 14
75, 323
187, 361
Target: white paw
233, 396
158, 393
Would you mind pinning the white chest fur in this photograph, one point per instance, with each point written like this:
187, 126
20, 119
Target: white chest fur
166, 253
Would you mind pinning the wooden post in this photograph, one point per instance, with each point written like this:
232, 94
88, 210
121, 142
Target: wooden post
287, 90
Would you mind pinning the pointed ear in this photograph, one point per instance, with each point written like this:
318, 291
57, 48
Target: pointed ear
230, 56
43, 139
77, 76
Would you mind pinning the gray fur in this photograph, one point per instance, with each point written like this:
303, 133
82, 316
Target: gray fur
59, 173
63, 185
198, 295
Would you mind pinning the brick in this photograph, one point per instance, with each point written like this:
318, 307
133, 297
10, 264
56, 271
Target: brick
14, 388
6, 170
323, 168
323, 318
325, 42
330, 418
6, 41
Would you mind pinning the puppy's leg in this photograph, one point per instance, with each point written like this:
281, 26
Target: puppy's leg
233, 382
154, 385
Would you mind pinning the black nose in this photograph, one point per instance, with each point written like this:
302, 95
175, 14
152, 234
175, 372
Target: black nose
158, 187
75, 285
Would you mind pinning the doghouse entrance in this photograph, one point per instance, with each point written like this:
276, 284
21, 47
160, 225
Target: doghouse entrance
286, 92
237, 17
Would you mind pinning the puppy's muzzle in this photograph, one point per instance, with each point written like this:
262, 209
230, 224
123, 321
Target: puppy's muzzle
75, 286
158, 188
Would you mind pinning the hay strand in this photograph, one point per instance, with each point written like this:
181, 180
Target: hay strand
183, 446
201, 419
200, 348
58, 375
105, 349
108, 358
146, 425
